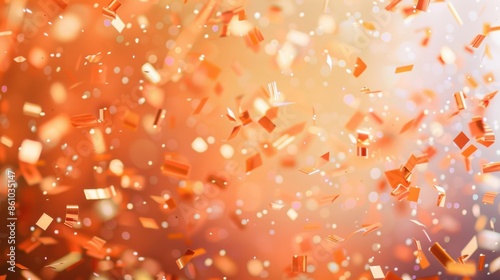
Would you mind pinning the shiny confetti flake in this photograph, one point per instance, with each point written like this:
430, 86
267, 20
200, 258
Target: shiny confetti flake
44, 221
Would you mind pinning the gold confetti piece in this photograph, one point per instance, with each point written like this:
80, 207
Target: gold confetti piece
200, 106
110, 10
390, 7
480, 263
471, 81
71, 215
423, 262
392, 276
454, 13
413, 194
334, 238
148, 223
417, 223
461, 140
489, 77
366, 90
489, 197
469, 151
5, 33
363, 141
469, 249
19, 59
440, 254
31, 109
118, 24
253, 162
94, 58
104, 116
441, 196
355, 121
276, 206
150, 73
267, 124
159, 117
6, 141
230, 115
377, 272
477, 41
460, 100
66, 262
84, 120
309, 170
423, 5
369, 26
359, 67
44, 221
466, 269
406, 68
299, 263
30, 151
99, 193
245, 118
175, 168
185, 259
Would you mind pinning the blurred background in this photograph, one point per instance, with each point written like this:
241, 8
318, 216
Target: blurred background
231, 128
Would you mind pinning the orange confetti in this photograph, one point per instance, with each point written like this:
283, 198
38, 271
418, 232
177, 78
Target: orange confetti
477, 41
440, 254
71, 215
460, 100
234, 132
489, 197
413, 194
423, 5
299, 263
200, 106
359, 67
245, 118
392, 5
461, 140
469, 151
253, 162
110, 10
406, 68
185, 259
254, 36
267, 124
480, 263
175, 168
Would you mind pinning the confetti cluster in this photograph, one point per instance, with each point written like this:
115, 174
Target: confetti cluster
238, 139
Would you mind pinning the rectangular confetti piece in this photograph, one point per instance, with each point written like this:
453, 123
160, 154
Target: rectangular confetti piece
44, 221
402, 69
441, 255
